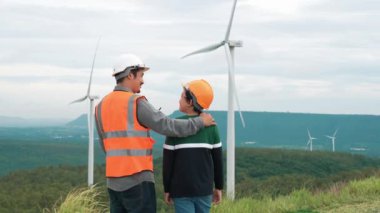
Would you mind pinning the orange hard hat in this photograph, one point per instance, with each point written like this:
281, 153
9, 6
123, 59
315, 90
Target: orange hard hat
201, 92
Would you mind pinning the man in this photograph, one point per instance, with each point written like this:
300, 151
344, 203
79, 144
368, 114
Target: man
123, 121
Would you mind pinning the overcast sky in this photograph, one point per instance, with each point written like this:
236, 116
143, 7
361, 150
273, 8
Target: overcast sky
315, 56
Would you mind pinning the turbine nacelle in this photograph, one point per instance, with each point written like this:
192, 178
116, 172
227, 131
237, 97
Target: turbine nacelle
93, 97
235, 43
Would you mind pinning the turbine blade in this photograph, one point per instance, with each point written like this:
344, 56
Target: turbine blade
308, 132
335, 132
79, 100
232, 75
92, 67
238, 105
230, 22
205, 49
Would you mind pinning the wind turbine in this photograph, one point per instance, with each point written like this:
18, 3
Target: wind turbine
229, 47
90, 122
333, 139
310, 141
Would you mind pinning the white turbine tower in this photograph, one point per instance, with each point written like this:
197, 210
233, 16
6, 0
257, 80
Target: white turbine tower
333, 139
90, 123
229, 47
310, 141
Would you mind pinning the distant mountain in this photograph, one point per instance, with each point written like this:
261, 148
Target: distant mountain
80, 121
11, 121
356, 134
8, 121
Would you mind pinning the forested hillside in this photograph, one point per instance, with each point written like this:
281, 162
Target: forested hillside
22, 148
260, 173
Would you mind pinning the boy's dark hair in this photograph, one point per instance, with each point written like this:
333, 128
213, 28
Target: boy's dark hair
189, 97
133, 71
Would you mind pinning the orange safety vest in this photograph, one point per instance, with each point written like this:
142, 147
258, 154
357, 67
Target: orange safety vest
127, 144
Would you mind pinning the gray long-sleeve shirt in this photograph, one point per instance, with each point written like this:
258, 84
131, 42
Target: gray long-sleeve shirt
154, 119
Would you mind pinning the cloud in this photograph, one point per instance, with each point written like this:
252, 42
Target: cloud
113, 5
308, 56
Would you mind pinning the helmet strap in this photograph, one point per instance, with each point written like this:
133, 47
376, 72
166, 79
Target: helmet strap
191, 96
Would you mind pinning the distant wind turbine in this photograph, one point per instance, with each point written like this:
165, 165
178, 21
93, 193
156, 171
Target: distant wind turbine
333, 139
229, 47
310, 141
90, 122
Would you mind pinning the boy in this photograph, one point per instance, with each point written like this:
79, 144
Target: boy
193, 164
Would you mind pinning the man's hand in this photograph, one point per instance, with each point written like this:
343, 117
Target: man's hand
217, 197
168, 199
208, 120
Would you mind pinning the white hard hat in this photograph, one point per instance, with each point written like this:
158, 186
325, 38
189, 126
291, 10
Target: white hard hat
126, 63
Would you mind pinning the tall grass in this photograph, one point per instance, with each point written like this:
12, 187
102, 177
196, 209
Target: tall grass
365, 194
82, 200
354, 196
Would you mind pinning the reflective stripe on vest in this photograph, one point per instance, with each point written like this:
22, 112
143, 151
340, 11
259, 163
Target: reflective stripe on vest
129, 150
124, 134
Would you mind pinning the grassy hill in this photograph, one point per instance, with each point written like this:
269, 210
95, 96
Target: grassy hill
352, 196
261, 174
361, 196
